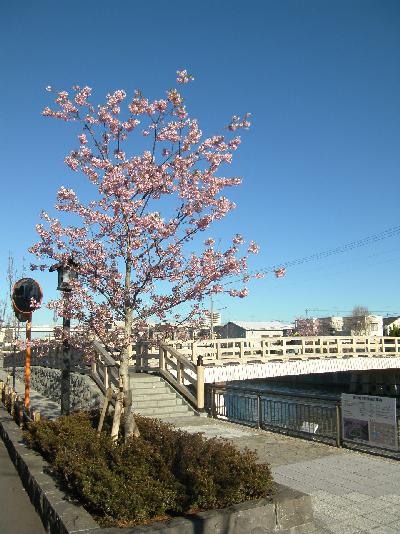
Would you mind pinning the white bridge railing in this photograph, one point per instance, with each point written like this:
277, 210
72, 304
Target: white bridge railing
283, 349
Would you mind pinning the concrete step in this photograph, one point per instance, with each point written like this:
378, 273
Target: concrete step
168, 418
144, 377
154, 397
149, 394
155, 403
145, 384
171, 411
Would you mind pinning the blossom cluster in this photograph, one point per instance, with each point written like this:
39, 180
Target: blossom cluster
134, 243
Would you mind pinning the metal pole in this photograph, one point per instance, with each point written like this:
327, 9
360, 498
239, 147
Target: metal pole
28, 361
66, 362
259, 414
338, 425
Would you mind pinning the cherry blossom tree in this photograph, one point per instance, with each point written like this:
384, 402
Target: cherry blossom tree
308, 326
157, 186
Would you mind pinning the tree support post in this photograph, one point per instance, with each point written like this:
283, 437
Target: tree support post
66, 362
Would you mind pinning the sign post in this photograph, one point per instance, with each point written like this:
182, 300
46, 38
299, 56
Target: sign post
26, 297
28, 362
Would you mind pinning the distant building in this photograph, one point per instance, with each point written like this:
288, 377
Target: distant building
254, 329
359, 325
331, 326
363, 325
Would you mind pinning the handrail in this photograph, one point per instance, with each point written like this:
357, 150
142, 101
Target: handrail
174, 367
108, 359
104, 368
263, 350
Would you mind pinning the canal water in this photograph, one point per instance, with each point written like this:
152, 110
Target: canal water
292, 389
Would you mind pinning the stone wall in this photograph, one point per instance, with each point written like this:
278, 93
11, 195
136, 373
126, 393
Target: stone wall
85, 395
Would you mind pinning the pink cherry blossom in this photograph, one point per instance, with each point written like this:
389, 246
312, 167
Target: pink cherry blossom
136, 242
182, 76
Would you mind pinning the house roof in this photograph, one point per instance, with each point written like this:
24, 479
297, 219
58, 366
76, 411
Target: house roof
263, 325
389, 320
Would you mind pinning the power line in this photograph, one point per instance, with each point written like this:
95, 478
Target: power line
385, 234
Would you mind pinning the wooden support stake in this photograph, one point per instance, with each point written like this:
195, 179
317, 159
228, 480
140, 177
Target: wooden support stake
107, 399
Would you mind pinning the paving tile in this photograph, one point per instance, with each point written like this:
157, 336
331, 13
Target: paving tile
374, 504
364, 523
383, 516
343, 528
358, 497
387, 529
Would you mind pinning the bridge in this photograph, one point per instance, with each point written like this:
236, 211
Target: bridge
188, 366
244, 359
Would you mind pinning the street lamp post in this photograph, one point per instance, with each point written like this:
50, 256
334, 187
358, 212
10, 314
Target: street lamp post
66, 273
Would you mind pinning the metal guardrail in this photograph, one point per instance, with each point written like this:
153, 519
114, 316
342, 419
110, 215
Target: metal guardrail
314, 418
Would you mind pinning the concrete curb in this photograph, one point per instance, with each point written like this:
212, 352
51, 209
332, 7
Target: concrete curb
290, 512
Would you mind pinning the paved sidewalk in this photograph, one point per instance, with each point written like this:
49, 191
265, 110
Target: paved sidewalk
352, 492
17, 514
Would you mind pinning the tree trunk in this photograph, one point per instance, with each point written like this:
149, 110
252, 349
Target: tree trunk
124, 398
131, 428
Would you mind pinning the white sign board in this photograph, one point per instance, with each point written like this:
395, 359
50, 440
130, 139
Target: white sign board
370, 420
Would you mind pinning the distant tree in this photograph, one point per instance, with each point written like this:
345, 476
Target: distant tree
359, 320
394, 331
360, 311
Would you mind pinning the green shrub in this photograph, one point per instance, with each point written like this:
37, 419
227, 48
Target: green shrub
164, 472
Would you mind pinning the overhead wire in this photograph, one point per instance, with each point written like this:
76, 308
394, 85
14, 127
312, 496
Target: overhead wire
385, 234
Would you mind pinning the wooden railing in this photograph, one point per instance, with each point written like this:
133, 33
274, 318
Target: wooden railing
182, 373
185, 376
104, 369
240, 350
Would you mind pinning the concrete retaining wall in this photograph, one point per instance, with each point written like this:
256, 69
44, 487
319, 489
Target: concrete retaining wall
85, 395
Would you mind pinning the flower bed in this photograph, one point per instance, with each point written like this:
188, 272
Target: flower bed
164, 473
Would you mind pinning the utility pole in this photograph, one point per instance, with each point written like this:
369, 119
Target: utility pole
211, 317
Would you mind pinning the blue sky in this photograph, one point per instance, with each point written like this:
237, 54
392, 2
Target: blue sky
320, 163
